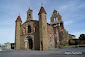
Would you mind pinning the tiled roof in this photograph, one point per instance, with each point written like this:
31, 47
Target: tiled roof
42, 10
18, 19
62, 30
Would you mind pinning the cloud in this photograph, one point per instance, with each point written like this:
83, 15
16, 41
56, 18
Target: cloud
68, 22
64, 7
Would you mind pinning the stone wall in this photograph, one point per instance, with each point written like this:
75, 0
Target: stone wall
64, 37
50, 32
36, 36
32, 34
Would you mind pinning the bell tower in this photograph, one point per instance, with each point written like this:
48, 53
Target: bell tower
17, 32
60, 21
29, 14
56, 19
43, 29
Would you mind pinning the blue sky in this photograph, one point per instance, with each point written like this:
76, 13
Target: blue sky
72, 11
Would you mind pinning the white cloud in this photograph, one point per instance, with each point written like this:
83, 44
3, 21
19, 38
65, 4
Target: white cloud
66, 7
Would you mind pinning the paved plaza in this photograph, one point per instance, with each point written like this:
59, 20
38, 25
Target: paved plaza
65, 52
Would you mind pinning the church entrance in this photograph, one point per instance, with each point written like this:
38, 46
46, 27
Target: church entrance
30, 42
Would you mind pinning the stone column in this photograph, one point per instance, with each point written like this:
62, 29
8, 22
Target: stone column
26, 44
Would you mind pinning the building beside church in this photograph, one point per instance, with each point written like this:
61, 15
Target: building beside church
8, 45
40, 35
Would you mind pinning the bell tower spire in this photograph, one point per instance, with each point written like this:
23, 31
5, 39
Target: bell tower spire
29, 14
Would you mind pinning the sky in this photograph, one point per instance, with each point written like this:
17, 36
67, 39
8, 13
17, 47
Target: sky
72, 12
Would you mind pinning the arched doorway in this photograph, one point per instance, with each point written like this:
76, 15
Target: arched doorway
30, 42
41, 45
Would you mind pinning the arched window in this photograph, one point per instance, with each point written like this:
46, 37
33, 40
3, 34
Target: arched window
34, 29
24, 31
29, 28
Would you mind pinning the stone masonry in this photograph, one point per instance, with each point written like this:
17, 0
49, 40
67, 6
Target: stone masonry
40, 35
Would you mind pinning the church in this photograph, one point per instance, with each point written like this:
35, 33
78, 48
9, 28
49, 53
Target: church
40, 35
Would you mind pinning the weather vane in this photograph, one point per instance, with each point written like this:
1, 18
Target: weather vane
19, 13
41, 3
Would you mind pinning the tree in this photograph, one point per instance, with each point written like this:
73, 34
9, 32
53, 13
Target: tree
82, 37
72, 42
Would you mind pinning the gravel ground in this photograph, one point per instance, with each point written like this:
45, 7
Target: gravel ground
65, 52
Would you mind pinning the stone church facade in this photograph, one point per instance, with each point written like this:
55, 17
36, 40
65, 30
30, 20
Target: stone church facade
40, 35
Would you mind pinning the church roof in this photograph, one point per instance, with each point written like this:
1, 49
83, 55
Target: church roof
42, 10
62, 30
18, 19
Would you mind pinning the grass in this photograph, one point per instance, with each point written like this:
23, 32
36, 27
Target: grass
69, 46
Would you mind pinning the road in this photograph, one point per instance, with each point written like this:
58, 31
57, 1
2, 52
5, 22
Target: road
65, 52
